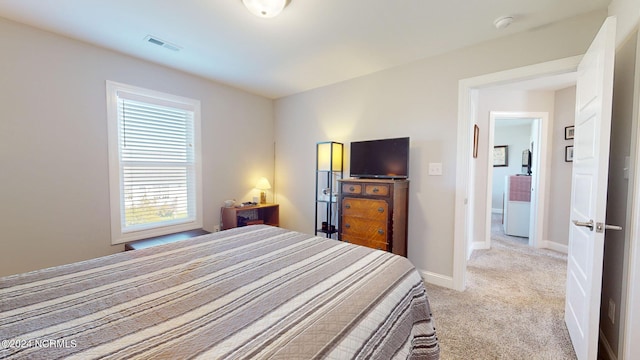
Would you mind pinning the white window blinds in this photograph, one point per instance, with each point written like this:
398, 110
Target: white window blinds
157, 164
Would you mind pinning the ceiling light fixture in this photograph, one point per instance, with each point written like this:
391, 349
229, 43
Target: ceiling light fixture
502, 22
265, 8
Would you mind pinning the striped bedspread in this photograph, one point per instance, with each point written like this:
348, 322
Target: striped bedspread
255, 292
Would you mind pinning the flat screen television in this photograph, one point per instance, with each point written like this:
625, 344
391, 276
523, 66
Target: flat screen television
380, 159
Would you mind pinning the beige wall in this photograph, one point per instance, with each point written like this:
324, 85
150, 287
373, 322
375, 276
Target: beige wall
624, 338
627, 13
560, 188
54, 193
419, 100
616, 243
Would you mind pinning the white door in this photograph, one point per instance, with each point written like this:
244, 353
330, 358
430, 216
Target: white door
589, 191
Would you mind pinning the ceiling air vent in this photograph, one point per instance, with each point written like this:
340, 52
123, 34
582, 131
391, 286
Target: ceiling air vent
164, 44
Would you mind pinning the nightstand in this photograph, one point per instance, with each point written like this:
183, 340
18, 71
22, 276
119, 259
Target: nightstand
268, 214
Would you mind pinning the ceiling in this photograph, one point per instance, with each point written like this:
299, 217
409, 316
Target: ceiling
313, 43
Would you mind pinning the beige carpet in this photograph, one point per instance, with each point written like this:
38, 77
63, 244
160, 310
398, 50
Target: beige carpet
513, 307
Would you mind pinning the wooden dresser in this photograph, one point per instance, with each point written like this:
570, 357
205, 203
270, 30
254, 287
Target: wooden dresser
373, 213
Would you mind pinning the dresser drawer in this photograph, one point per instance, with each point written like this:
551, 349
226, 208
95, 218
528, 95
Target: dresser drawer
352, 188
376, 190
366, 242
365, 228
365, 208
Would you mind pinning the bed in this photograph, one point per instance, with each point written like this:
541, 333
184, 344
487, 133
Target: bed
256, 292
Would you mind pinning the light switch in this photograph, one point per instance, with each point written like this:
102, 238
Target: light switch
435, 168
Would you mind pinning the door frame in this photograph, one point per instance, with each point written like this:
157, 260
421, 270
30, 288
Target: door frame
630, 315
538, 181
465, 168
629, 343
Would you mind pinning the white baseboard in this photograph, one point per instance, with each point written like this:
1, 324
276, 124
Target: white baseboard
447, 281
608, 351
546, 244
436, 279
476, 245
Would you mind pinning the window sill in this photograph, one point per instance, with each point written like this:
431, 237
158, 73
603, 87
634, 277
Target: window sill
164, 239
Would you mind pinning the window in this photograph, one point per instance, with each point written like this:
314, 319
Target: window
154, 163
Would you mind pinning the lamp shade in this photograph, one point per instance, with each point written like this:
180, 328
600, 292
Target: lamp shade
263, 184
329, 156
265, 8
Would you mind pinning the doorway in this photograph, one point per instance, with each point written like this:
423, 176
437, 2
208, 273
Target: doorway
512, 191
465, 201
465, 173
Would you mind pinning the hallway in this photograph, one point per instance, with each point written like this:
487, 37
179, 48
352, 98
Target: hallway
497, 231
512, 307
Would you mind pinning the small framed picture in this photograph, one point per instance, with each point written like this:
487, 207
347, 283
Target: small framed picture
568, 132
500, 155
476, 136
568, 153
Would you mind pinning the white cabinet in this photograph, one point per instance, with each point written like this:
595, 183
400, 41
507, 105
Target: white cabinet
517, 205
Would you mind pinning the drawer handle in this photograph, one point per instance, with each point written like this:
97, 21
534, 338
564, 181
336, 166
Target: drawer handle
375, 190
380, 231
351, 188
347, 206
348, 226
380, 209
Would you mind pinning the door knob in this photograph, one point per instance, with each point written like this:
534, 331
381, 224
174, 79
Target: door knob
588, 224
600, 227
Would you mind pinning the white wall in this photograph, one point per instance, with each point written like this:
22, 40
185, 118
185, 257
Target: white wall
54, 198
517, 138
419, 100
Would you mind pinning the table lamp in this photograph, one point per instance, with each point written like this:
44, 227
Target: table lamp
263, 185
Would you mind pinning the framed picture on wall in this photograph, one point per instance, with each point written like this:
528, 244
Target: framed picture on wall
568, 153
500, 155
476, 135
568, 132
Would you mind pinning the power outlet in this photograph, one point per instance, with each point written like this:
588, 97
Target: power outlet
612, 311
216, 228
